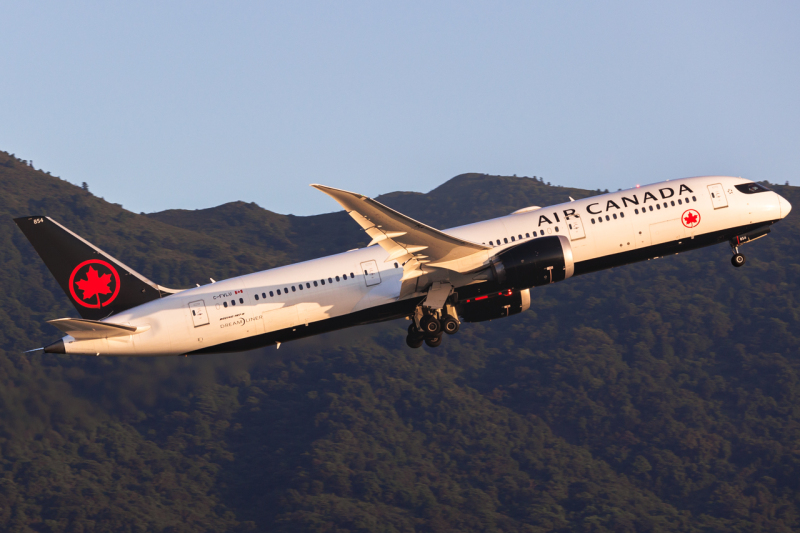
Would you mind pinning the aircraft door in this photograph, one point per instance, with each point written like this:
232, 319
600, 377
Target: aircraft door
371, 274
575, 225
199, 314
718, 198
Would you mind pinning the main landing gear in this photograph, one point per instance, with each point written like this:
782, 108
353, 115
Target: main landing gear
435, 316
432, 328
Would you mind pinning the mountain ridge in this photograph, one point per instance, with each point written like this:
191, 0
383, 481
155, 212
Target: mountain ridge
656, 397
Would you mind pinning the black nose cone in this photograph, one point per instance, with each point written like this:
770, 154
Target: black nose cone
56, 347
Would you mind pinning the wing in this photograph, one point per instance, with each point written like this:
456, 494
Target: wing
407, 241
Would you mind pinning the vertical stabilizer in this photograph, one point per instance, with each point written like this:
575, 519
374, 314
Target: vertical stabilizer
97, 284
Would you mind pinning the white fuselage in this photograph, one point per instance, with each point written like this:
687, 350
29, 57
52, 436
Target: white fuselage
294, 296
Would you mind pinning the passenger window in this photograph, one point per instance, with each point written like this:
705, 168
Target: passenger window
300, 286
622, 215
264, 295
679, 201
658, 206
592, 221
615, 216
233, 302
651, 208
352, 275
286, 290
491, 243
256, 297
636, 211
694, 199
665, 205
505, 240
337, 278
541, 232
279, 292
520, 237
241, 300
330, 280
271, 295
527, 236
556, 228
225, 305
512, 238
315, 284
673, 203
607, 218
308, 285
322, 281
293, 289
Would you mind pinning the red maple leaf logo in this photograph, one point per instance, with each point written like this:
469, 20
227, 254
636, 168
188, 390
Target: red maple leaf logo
691, 218
94, 285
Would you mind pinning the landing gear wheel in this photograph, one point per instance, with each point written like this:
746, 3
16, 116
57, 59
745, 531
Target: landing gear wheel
414, 338
430, 326
738, 260
433, 342
450, 325
414, 342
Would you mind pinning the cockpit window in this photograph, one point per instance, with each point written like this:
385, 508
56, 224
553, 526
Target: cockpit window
751, 188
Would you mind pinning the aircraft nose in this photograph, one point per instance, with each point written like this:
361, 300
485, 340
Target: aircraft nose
785, 206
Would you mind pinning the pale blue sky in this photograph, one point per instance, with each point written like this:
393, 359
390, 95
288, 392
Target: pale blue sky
190, 105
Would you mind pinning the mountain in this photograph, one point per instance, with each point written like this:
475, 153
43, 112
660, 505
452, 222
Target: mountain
660, 396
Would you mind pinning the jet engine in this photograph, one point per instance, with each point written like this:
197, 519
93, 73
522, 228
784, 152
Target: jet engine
494, 305
537, 262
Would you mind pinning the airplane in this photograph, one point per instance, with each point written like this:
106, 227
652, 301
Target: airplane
436, 279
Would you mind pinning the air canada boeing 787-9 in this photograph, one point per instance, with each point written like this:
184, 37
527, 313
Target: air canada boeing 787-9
437, 279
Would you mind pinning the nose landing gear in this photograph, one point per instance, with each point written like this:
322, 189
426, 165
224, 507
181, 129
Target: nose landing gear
738, 259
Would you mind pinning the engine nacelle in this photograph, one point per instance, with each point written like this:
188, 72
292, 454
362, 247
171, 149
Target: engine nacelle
494, 305
537, 262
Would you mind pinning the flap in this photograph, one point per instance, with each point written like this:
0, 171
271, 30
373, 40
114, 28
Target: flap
83, 329
407, 241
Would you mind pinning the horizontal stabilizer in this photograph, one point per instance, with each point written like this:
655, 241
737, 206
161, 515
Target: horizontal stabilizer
83, 329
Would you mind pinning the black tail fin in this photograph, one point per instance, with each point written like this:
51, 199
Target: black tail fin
97, 284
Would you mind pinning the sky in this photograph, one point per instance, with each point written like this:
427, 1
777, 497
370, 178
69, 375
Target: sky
163, 105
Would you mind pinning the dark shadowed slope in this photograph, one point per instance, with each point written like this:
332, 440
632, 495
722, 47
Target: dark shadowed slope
660, 396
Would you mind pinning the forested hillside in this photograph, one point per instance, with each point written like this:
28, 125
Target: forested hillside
661, 396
